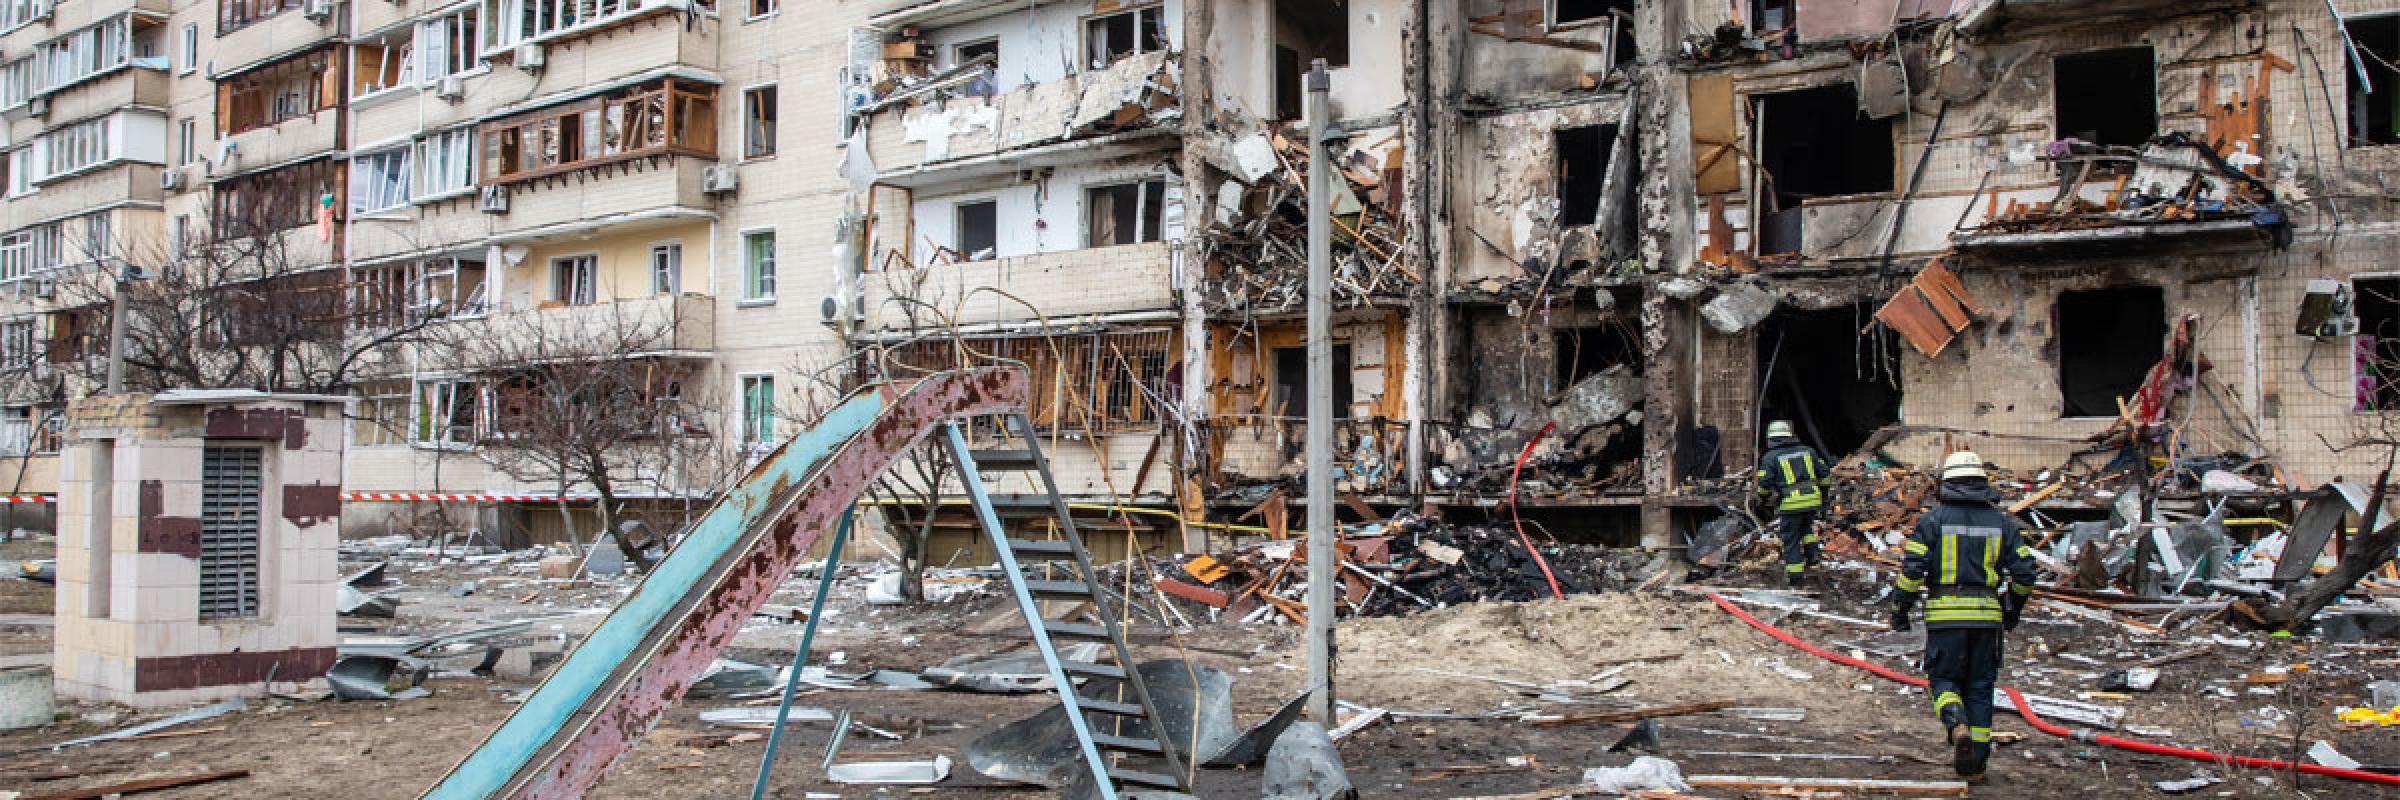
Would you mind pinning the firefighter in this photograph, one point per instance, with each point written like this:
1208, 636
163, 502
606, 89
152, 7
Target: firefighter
1970, 560
1792, 475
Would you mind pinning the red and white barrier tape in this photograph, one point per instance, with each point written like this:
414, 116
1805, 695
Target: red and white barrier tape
27, 498
394, 497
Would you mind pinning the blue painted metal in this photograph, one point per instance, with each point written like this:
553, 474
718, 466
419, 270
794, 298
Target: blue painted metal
808, 636
956, 440
580, 677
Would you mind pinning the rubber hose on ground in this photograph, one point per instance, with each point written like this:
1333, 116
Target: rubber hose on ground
2026, 710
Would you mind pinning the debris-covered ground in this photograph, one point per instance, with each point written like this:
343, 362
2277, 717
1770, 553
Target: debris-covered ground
1480, 699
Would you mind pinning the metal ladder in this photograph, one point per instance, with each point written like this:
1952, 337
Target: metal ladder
1100, 751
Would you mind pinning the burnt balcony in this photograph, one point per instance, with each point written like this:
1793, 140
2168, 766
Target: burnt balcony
939, 125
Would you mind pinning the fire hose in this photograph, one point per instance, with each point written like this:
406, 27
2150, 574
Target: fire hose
1519, 522
2025, 710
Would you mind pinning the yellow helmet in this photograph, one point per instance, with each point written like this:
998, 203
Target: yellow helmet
1962, 464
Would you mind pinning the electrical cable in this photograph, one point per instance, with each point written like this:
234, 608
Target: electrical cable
2025, 710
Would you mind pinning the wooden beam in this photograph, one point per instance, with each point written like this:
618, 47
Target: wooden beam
151, 785
1638, 714
1766, 783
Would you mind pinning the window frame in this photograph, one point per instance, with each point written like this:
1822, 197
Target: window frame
369, 184
460, 148
422, 433
1140, 215
672, 284
188, 38
755, 425
754, 279
1084, 35
753, 150
958, 227
584, 282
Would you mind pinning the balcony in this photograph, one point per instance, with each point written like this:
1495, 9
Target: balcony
684, 325
649, 189
276, 28
1064, 285
634, 51
1128, 99
72, 15
99, 187
134, 86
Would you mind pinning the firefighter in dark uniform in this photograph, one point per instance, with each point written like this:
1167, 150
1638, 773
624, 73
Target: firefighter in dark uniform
1971, 562
1793, 476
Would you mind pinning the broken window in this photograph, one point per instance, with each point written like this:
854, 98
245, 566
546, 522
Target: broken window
277, 199
379, 181
2107, 97
517, 22
1125, 33
2108, 339
2374, 72
1585, 352
1306, 30
1836, 385
666, 268
1583, 171
445, 162
1124, 213
762, 8
234, 15
574, 280
663, 118
382, 63
963, 53
1773, 15
445, 413
450, 45
758, 409
758, 122
2376, 350
1291, 382
978, 230
1611, 19
380, 418
289, 89
1813, 143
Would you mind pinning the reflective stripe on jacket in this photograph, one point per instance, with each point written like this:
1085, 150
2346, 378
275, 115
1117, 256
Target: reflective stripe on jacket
1795, 476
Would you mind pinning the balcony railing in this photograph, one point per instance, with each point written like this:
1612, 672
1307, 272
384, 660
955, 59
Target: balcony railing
670, 118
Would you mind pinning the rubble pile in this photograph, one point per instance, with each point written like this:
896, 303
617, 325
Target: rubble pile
1408, 564
1255, 236
2171, 179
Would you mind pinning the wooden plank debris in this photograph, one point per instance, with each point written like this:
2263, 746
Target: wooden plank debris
147, 785
1638, 714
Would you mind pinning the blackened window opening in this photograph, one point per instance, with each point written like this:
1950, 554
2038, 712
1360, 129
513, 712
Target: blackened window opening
1583, 171
2375, 107
978, 230
1835, 385
2107, 96
1584, 352
1815, 143
2108, 339
1291, 381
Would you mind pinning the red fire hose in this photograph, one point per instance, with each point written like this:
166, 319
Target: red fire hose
1538, 560
2025, 710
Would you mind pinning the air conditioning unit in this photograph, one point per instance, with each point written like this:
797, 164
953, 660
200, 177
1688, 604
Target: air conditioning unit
451, 87
833, 310
38, 107
493, 200
171, 179
719, 179
319, 10
44, 288
531, 57
2327, 309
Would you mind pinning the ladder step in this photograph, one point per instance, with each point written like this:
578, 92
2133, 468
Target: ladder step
1005, 460
1150, 779
1077, 630
1127, 745
1043, 549
1094, 670
1112, 707
1059, 588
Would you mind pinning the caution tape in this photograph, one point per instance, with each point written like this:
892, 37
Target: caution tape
27, 498
401, 497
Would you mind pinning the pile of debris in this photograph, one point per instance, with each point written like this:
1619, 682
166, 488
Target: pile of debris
1255, 236
1408, 564
2172, 179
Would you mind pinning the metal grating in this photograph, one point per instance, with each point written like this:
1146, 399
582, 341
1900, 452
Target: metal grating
230, 478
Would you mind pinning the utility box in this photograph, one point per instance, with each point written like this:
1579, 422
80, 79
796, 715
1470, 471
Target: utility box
196, 545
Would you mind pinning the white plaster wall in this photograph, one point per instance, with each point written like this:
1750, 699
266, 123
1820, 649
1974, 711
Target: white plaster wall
1039, 45
1035, 216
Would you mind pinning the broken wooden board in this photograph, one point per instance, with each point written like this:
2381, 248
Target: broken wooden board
149, 785
1638, 714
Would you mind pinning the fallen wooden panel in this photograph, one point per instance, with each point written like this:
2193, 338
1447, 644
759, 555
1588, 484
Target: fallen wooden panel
1197, 594
151, 785
1931, 310
1828, 784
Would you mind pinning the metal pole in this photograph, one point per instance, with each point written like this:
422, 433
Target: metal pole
1321, 555
116, 331
808, 636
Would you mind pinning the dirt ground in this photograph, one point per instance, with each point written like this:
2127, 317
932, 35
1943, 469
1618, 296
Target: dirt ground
1675, 647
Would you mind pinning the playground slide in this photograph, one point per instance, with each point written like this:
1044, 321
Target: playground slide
611, 689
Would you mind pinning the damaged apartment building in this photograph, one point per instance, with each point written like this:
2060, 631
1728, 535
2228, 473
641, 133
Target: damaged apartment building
1584, 250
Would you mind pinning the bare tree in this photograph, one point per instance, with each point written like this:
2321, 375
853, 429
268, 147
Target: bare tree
2377, 431
235, 308
594, 400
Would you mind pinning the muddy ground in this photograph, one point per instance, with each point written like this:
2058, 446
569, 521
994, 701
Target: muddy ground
1675, 646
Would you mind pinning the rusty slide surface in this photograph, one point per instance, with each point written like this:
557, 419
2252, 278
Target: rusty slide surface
611, 689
